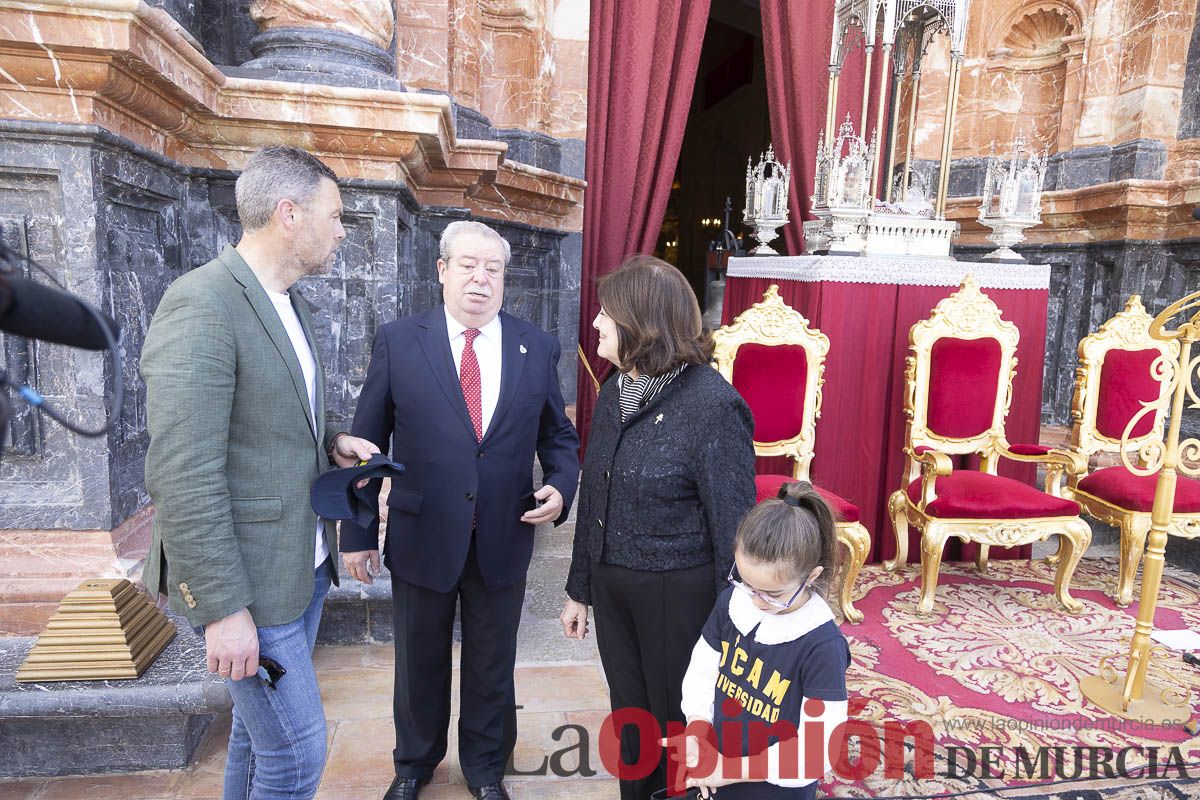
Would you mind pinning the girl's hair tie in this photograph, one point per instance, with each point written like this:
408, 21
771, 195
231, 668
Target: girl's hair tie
787, 497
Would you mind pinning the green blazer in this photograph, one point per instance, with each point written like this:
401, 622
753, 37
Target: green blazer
232, 454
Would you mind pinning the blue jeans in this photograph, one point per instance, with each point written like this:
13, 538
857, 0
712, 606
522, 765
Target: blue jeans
277, 744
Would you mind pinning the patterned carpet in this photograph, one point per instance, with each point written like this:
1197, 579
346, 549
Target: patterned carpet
997, 664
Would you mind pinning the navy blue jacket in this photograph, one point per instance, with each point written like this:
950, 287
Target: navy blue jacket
412, 406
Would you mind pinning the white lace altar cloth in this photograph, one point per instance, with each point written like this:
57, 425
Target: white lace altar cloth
891, 270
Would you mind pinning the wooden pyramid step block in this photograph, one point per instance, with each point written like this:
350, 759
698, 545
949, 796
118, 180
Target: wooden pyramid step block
103, 630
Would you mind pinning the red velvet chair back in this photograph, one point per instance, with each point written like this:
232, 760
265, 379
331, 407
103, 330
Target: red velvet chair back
1118, 386
959, 374
772, 379
963, 378
777, 363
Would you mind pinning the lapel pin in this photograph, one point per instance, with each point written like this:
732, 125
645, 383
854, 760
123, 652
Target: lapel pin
523, 350
658, 419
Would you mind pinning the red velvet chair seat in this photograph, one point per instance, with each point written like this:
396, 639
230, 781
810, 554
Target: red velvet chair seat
1122, 488
768, 487
967, 494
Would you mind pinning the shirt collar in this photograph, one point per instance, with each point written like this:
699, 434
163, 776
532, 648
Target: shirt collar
490, 331
777, 628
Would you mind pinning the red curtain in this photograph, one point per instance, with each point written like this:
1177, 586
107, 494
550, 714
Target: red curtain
642, 60
796, 43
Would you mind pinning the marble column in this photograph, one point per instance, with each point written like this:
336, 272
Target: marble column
347, 43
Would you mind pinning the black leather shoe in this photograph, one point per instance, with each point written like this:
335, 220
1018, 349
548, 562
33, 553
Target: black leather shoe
406, 788
490, 791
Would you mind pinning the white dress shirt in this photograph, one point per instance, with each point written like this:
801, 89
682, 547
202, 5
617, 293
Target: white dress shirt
487, 351
308, 365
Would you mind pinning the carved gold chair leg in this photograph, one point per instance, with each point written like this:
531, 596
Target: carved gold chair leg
1134, 530
856, 539
933, 542
1075, 539
898, 511
1054, 557
981, 558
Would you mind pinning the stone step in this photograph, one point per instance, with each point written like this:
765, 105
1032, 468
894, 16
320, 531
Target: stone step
75, 728
356, 613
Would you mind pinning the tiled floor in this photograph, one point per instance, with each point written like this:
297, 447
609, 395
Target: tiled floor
559, 683
356, 685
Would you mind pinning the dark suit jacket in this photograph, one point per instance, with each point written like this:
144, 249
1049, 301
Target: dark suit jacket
412, 404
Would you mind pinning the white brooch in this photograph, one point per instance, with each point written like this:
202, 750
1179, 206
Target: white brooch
658, 419
523, 350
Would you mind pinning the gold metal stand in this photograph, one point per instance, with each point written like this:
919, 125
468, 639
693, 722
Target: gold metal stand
104, 630
948, 136
881, 118
1137, 698
912, 134
831, 107
866, 101
897, 91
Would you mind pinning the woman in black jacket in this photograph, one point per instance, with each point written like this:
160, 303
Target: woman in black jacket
668, 475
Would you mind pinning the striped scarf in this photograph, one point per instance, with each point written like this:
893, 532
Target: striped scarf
635, 393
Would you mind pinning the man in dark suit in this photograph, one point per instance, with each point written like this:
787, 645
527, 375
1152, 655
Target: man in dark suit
464, 394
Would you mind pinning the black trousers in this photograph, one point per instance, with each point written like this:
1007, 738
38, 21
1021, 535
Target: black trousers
487, 722
647, 624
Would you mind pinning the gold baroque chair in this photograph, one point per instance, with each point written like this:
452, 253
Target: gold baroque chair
958, 388
777, 363
1116, 379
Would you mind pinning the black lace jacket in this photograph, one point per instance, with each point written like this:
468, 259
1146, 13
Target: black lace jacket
667, 489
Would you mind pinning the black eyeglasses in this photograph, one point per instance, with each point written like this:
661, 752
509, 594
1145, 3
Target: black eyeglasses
271, 671
735, 579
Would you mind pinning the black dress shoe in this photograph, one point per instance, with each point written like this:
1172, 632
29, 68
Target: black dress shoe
490, 791
405, 788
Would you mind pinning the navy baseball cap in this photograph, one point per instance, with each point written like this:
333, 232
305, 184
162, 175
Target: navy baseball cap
334, 495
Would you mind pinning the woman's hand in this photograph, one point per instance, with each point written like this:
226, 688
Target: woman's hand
574, 619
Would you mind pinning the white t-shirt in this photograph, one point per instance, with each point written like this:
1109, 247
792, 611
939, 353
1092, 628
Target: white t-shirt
308, 365
488, 354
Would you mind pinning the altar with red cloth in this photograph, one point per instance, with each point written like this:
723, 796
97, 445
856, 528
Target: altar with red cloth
866, 305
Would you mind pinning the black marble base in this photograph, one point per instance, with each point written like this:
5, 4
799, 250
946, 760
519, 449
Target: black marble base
75, 728
1089, 283
119, 223
319, 52
356, 613
295, 73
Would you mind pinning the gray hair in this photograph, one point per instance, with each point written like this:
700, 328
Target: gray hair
277, 173
461, 226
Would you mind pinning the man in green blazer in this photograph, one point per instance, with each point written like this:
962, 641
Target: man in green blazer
236, 415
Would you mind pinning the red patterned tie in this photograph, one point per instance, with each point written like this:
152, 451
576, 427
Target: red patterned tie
468, 376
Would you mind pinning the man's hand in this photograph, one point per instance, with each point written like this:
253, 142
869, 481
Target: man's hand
349, 450
547, 511
362, 565
574, 619
232, 646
